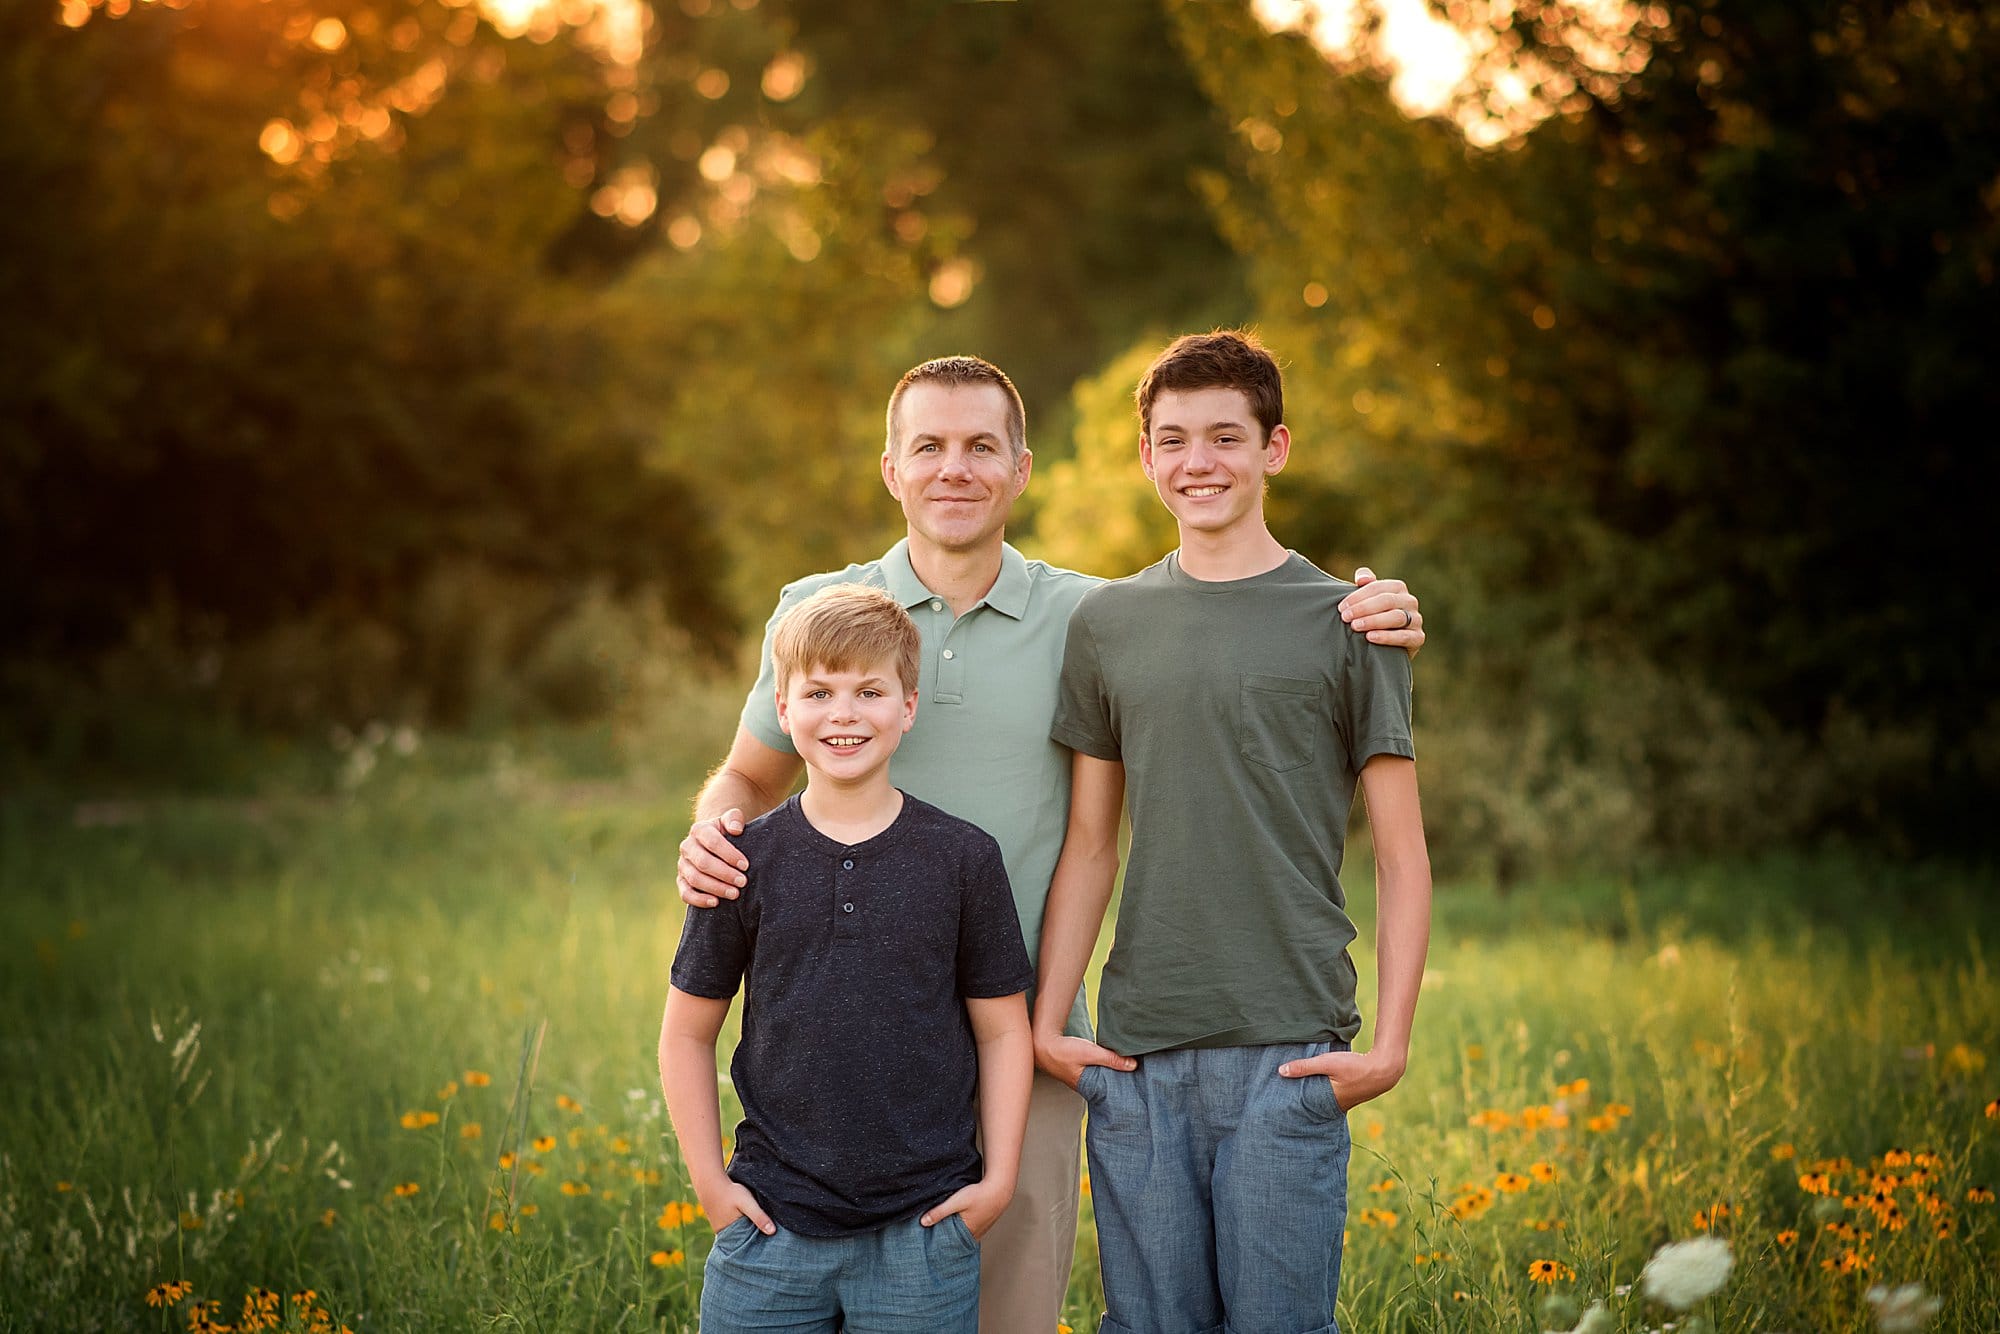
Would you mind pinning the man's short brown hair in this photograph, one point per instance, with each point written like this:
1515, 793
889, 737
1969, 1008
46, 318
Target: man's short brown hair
847, 628
1224, 359
960, 373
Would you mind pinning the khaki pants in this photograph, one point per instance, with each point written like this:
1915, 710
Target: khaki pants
1025, 1257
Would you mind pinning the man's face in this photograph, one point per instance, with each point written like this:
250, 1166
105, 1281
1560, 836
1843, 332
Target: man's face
951, 465
1208, 458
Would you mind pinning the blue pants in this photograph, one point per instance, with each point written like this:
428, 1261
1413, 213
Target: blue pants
904, 1278
1220, 1189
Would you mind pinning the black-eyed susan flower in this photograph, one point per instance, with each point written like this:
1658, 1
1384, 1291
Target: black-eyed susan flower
567, 1103
621, 1145
1617, 1109
527, 1211
477, 1079
662, 1259
1460, 1295
405, 1189
1549, 1271
1896, 1158
163, 1294
418, 1120
1815, 1183
1543, 1172
1492, 1118
534, 1168
1601, 1124
1787, 1237
543, 1143
575, 1188
506, 1161
1539, 1117
497, 1221
1511, 1183
1979, 1195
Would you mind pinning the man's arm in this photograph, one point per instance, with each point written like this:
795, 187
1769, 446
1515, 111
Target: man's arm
1006, 1068
752, 780
687, 1077
1402, 936
1385, 610
1078, 896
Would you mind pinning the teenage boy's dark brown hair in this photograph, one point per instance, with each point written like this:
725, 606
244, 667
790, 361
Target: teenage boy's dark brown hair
1225, 359
846, 628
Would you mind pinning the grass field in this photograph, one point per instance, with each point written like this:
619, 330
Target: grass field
392, 1042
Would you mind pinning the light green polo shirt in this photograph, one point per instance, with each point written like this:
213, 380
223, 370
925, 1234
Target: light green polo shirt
980, 748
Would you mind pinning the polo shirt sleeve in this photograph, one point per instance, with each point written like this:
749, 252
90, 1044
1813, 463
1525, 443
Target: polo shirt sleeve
760, 708
714, 951
1375, 717
1083, 709
992, 958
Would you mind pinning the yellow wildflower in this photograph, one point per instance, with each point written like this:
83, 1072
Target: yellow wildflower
1549, 1271
418, 1120
1512, 1183
470, 1130
574, 1188
450, 1088
1979, 1195
405, 1189
1787, 1237
567, 1103
543, 1143
477, 1079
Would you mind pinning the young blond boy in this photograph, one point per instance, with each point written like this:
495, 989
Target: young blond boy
884, 1023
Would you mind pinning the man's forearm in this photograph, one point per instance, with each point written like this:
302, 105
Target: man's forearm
728, 789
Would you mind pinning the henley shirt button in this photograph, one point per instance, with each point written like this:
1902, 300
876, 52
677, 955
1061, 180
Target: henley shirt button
847, 866
847, 907
949, 655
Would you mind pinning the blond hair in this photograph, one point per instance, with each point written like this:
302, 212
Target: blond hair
845, 628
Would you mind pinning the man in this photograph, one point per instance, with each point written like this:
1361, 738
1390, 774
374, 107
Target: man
993, 626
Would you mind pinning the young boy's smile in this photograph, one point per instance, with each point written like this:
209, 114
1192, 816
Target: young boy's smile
847, 724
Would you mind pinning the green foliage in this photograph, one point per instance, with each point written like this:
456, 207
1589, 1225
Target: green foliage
1687, 370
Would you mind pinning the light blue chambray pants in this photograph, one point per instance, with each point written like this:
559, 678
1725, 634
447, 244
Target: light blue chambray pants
1220, 1189
904, 1278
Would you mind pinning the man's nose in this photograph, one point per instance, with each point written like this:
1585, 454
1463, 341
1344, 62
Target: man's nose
1200, 458
957, 463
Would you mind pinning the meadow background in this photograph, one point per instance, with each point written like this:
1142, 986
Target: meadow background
410, 408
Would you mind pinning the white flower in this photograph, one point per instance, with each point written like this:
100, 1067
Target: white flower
1902, 1309
1682, 1273
1596, 1320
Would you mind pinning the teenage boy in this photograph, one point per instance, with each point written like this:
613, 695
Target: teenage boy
883, 1018
1220, 686
955, 456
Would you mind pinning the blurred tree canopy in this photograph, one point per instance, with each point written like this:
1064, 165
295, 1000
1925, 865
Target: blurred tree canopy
1650, 344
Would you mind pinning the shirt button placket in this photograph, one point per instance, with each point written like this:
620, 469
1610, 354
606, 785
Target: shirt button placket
843, 896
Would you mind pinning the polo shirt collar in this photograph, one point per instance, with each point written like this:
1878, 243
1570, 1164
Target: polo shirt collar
1009, 594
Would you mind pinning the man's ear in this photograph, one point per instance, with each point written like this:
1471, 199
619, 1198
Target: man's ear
889, 478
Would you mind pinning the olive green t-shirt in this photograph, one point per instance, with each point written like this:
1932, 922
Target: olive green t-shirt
1242, 712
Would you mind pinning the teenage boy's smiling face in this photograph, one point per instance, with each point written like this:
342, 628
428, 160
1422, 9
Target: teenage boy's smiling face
952, 466
846, 724
1208, 458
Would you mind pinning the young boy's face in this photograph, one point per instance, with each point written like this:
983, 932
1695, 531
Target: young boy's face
846, 725
1208, 458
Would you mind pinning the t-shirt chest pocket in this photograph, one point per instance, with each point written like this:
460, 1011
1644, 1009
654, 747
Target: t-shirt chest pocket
1279, 720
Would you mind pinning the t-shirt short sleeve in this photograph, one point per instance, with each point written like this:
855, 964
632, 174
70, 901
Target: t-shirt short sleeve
992, 958
714, 952
1375, 717
760, 707
1083, 710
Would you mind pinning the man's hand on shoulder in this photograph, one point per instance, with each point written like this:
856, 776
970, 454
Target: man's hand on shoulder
710, 868
1065, 1057
1357, 1076
1385, 610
